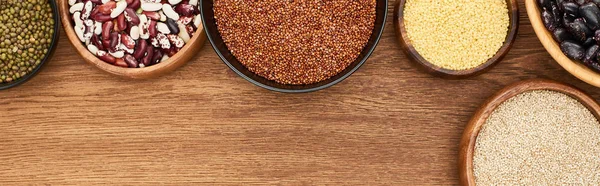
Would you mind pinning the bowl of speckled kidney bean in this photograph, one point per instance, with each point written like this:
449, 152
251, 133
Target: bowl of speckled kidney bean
134, 38
294, 46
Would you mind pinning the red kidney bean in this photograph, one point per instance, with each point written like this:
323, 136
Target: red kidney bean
158, 55
152, 15
171, 51
131, 16
104, 56
96, 42
133, 4
127, 41
148, 58
107, 7
114, 41
152, 28
101, 18
96, 1
95, 11
106, 43
120, 62
185, 9
106, 28
140, 49
121, 23
131, 61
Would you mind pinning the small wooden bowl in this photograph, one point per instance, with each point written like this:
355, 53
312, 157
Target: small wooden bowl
409, 49
577, 69
183, 56
467, 144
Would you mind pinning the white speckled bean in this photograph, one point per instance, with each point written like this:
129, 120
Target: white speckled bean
121, 5
169, 12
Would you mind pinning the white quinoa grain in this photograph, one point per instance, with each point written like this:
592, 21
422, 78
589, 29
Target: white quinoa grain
456, 34
539, 138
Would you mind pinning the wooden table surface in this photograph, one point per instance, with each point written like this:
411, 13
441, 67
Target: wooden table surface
388, 124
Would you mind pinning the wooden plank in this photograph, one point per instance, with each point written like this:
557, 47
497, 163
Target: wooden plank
388, 124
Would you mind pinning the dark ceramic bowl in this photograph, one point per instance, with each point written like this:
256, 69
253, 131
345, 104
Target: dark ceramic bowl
216, 40
45, 59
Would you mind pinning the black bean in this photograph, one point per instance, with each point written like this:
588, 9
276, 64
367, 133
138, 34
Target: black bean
591, 54
589, 42
567, 19
549, 20
591, 13
557, 14
580, 2
570, 8
579, 30
561, 34
172, 24
596, 1
544, 4
572, 49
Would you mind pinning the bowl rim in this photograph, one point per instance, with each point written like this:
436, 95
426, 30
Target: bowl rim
408, 48
282, 90
192, 47
47, 57
575, 68
473, 127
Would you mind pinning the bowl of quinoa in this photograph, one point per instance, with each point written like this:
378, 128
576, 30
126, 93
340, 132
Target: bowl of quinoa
535, 132
459, 38
294, 46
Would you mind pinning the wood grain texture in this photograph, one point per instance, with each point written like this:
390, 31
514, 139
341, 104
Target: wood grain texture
469, 138
388, 124
413, 54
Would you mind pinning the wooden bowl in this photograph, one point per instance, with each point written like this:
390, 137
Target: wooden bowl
46, 58
576, 68
409, 49
206, 8
183, 56
467, 144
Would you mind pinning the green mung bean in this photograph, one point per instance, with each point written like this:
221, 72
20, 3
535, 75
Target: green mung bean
26, 29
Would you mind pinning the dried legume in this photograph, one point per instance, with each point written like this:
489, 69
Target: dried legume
539, 138
26, 31
456, 34
134, 33
576, 26
295, 42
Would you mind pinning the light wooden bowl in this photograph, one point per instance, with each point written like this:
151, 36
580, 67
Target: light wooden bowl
182, 57
467, 144
409, 49
577, 69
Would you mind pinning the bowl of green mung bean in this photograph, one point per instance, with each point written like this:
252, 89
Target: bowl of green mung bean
28, 36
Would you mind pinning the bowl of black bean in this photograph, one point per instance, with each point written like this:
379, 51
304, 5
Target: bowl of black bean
570, 32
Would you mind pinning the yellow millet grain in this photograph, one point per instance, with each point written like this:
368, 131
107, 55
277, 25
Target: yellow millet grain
456, 34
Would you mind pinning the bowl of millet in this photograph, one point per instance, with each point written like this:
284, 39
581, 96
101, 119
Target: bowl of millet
28, 36
456, 39
294, 46
570, 32
534, 132
134, 38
